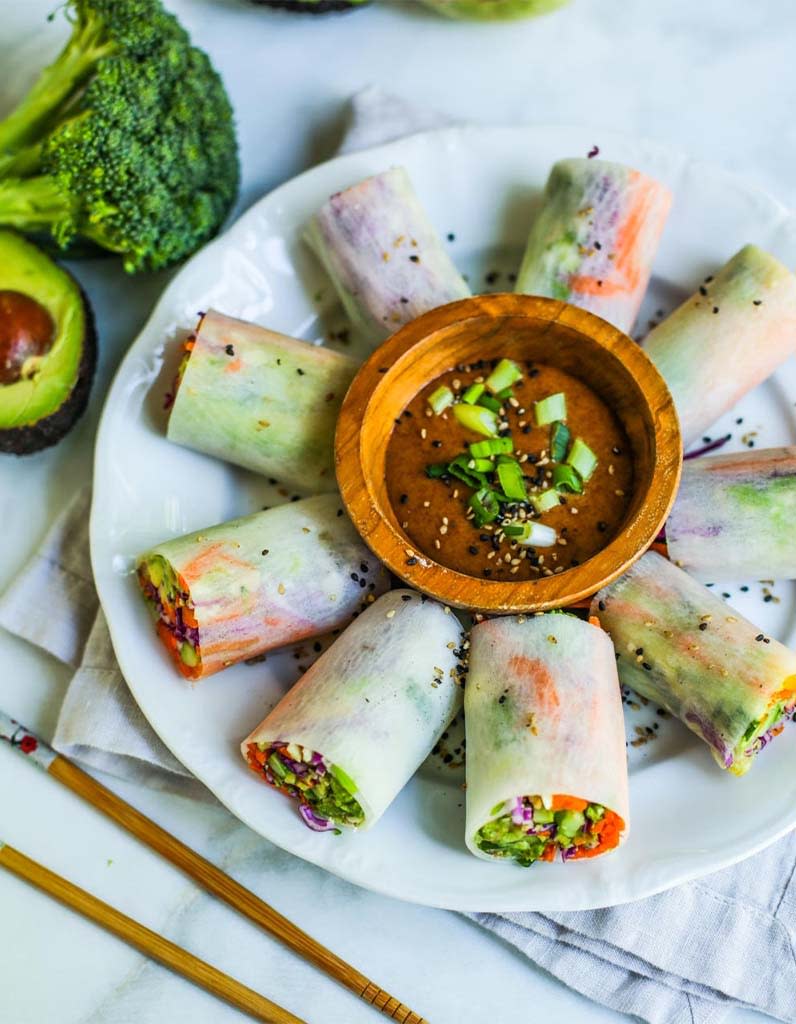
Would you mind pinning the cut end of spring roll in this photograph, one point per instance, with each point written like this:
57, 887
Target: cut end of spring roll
260, 400
383, 255
234, 591
727, 338
354, 729
595, 238
682, 647
546, 759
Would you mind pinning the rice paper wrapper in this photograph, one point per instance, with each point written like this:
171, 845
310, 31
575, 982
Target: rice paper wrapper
682, 647
543, 716
735, 516
595, 238
263, 401
385, 258
272, 578
378, 699
726, 338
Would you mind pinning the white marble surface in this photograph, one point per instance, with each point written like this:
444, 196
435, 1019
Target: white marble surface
714, 78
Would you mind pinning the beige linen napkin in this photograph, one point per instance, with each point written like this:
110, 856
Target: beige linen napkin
686, 956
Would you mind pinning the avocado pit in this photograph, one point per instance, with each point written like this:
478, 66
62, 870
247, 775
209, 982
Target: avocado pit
27, 331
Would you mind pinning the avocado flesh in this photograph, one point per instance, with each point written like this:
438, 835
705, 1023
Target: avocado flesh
39, 408
494, 10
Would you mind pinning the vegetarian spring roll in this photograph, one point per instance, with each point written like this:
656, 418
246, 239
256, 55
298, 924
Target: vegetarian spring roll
261, 400
727, 338
735, 515
594, 240
233, 591
383, 255
683, 648
349, 735
546, 761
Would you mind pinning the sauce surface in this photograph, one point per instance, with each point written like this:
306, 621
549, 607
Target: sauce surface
434, 512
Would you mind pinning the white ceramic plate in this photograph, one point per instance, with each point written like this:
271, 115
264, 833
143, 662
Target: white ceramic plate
687, 817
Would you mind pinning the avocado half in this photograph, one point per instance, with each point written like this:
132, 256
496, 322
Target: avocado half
48, 348
313, 6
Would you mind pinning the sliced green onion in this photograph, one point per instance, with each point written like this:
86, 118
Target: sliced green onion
531, 534
566, 479
461, 469
550, 409
481, 465
485, 506
511, 480
497, 446
473, 393
441, 399
503, 376
545, 501
489, 402
559, 441
437, 469
476, 418
504, 394
582, 459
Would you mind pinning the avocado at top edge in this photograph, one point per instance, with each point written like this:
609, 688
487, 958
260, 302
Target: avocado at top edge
48, 347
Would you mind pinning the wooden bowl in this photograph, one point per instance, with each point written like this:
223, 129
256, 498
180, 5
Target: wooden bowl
520, 327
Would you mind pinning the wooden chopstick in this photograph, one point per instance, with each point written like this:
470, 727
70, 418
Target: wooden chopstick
144, 939
203, 871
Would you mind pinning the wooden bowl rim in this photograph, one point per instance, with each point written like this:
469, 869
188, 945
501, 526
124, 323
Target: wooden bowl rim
475, 593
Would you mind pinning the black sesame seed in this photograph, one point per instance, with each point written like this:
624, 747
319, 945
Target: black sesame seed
646, 666
703, 626
363, 566
339, 512
602, 527
759, 637
414, 259
703, 290
317, 646
757, 302
300, 372
744, 589
355, 577
229, 350
436, 444
406, 597
601, 605
264, 552
715, 309
411, 561
404, 498
451, 236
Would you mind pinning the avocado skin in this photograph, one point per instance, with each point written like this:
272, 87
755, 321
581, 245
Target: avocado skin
48, 431
319, 7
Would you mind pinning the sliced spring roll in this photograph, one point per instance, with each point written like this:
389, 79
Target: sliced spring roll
383, 255
233, 591
546, 760
261, 400
682, 647
349, 735
735, 516
727, 338
594, 240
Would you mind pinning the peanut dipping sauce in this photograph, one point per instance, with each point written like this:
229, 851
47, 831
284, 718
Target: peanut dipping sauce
434, 512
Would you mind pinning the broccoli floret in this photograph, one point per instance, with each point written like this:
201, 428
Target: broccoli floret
127, 140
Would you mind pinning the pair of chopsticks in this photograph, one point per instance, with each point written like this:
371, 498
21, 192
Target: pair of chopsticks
202, 871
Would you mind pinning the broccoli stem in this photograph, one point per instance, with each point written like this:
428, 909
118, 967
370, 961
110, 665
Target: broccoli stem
31, 204
56, 85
